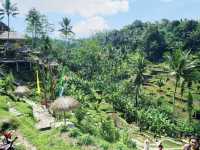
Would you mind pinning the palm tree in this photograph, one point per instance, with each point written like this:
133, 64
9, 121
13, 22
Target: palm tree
190, 76
139, 79
34, 25
180, 64
8, 10
66, 28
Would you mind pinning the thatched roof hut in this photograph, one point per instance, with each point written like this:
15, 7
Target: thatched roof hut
64, 103
22, 90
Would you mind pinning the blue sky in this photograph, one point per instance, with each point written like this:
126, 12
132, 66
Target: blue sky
90, 16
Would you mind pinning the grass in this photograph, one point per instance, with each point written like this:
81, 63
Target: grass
43, 140
169, 144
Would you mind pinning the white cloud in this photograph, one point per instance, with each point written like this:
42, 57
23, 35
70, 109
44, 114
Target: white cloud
84, 8
90, 26
91, 11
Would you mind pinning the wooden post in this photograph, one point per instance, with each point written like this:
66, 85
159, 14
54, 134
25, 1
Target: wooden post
64, 118
30, 65
17, 67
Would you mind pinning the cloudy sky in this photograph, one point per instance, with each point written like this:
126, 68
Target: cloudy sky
90, 16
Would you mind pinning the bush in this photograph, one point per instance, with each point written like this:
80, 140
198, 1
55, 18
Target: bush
74, 132
104, 146
89, 125
11, 124
120, 146
108, 130
64, 129
80, 114
131, 144
85, 140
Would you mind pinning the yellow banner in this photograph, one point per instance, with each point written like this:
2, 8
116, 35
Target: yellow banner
38, 83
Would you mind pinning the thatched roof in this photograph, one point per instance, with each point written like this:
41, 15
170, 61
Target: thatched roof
12, 36
53, 64
64, 103
22, 90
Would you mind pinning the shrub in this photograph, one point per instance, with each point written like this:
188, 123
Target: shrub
104, 146
85, 140
131, 144
89, 125
127, 141
74, 132
64, 129
80, 114
11, 124
120, 146
108, 130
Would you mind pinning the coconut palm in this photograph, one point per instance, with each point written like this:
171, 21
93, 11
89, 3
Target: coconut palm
8, 10
180, 65
189, 76
66, 28
139, 78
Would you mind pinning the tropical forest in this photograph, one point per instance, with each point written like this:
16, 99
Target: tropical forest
131, 88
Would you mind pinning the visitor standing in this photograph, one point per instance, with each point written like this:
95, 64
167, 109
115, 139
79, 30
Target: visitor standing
193, 144
146, 144
160, 146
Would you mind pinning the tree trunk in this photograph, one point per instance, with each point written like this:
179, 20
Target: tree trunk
8, 28
64, 118
136, 97
190, 106
174, 99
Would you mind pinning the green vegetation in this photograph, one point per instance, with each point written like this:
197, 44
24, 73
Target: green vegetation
135, 83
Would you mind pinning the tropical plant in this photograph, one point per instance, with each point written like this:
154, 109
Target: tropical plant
160, 83
8, 10
180, 63
139, 75
108, 130
66, 28
35, 25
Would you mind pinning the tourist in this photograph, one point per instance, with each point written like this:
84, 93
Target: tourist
160, 146
146, 144
7, 136
193, 144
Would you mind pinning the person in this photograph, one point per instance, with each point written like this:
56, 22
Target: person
146, 144
193, 144
160, 146
7, 136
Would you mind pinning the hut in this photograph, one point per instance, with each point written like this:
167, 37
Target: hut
22, 91
64, 104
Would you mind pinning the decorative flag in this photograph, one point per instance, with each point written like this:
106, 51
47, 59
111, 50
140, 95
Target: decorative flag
38, 83
61, 91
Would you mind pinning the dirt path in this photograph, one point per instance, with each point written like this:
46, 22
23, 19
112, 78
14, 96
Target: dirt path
24, 142
44, 118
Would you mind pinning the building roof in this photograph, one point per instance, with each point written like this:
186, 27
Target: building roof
3, 27
12, 36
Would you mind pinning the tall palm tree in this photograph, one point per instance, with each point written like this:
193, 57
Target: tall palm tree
180, 64
8, 10
66, 28
139, 78
190, 76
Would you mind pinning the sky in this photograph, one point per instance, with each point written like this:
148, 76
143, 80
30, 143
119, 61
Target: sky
91, 16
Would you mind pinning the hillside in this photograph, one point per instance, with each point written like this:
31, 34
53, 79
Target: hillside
111, 91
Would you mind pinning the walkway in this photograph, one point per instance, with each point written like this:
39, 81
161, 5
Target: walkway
41, 114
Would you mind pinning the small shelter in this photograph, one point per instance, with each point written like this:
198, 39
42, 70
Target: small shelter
64, 104
22, 91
